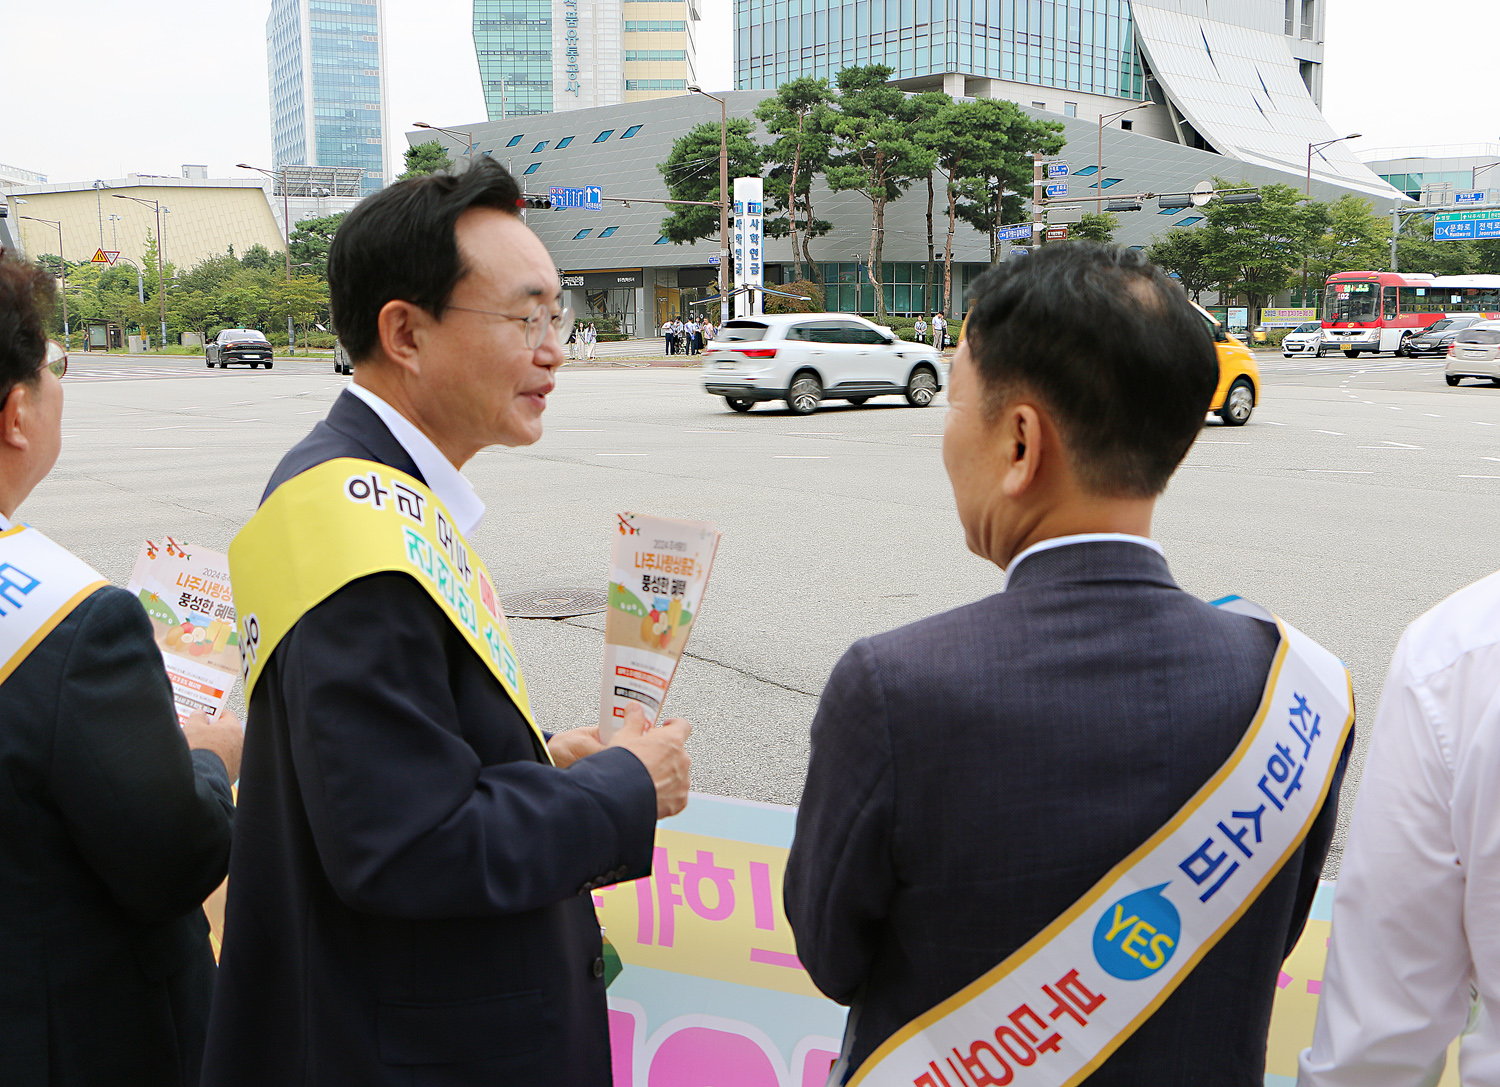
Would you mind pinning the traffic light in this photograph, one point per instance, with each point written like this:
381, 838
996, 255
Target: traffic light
1124, 205
1175, 202
536, 203
1240, 198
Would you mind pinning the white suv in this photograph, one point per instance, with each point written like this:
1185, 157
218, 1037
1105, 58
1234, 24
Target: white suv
806, 358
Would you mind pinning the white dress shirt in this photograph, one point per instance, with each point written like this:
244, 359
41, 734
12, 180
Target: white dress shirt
1416, 916
443, 480
1078, 538
4, 524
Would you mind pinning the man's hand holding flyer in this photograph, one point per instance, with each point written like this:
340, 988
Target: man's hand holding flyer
659, 569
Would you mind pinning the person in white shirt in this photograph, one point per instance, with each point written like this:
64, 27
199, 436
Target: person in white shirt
939, 330
1416, 916
919, 330
590, 338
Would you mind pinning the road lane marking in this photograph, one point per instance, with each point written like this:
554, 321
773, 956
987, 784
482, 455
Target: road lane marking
1399, 445
793, 456
1431, 416
559, 431
622, 454
1340, 471
1479, 477
1335, 433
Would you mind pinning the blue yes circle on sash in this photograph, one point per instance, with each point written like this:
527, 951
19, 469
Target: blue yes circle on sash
1137, 935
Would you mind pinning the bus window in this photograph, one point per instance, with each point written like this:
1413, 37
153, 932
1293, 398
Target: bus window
1390, 303
1352, 302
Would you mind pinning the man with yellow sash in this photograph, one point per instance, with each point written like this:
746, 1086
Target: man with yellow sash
114, 822
1069, 832
410, 891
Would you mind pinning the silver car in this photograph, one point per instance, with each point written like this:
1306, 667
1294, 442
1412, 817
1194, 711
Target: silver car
1305, 339
1475, 352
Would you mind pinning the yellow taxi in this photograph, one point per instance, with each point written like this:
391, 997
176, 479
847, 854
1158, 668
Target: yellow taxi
1239, 376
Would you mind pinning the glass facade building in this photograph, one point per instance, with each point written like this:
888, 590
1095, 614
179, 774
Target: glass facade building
1076, 45
513, 42
327, 76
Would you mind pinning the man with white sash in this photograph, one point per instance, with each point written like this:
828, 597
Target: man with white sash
410, 890
1069, 832
114, 822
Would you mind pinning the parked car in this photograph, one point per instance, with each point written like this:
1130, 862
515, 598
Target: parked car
806, 358
1239, 376
1435, 338
341, 363
1474, 352
1305, 339
239, 345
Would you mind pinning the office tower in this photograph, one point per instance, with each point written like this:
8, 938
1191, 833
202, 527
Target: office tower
545, 56
327, 73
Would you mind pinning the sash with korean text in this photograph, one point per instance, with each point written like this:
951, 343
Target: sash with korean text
1055, 1010
40, 584
346, 519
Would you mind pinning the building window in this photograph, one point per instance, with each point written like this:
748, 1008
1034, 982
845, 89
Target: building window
539, 148
629, 132
1087, 171
654, 26
564, 142
583, 234
1127, 125
1108, 183
532, 168
1039, 105
662, 240
1070, 109
606, 134
1189, 221
607, 231
654, 55
655, 85
515, 140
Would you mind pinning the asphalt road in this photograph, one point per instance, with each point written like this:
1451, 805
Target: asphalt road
1359, 495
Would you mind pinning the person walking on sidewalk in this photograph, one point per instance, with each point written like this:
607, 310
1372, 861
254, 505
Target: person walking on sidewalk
590, 338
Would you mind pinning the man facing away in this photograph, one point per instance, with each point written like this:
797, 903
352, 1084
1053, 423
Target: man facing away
409, 891
976, 774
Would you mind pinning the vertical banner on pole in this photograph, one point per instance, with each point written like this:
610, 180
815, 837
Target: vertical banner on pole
749, 268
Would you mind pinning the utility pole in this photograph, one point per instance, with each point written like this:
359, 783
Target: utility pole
1307, 191
723, 200
1099, 164
1038, 197
62, 267
161, 280
1395, 232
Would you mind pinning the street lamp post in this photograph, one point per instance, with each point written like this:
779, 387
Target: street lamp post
62, 266
286, 218
723, 200
1474, 173
1099, 164
1307, 190
468, 136
161, 281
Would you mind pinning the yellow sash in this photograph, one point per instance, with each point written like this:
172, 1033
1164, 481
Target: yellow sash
41, 583
346, 519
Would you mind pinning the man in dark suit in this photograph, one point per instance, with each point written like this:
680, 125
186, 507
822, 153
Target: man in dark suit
975, 773
114, 822
409, 899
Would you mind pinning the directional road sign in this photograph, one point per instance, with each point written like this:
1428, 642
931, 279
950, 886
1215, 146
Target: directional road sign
589, 197
1466, 225
1468, 197
1060, 189
1057, 233
1020, 233
1056, 170
714, 259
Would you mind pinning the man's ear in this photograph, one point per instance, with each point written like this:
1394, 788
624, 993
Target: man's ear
14, 410
403, 326
1020, 448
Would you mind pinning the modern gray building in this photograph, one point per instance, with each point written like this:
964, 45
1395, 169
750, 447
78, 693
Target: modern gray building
1429, 173
326, 62
616, 262
1241, 78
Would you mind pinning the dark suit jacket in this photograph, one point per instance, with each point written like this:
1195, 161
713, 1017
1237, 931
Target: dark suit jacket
111, 836
975, 773
408, 896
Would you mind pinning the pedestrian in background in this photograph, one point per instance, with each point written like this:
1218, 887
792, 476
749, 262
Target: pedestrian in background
573, 343
1416, 914
939, 331
116, 822
666, 336
590, 338
919, 330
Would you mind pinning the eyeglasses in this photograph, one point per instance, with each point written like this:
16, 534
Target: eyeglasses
56, 360
536, 322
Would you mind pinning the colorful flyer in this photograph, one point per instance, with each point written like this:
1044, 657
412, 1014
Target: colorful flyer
658, 570
185, 590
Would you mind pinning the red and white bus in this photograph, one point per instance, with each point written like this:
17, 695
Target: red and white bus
1366, 312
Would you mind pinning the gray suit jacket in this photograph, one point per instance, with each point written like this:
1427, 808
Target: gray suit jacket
975, 773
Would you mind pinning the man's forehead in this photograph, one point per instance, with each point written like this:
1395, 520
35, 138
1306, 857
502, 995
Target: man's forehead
501, 252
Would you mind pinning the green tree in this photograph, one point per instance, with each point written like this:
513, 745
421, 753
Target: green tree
799, 118
1257, 249
1416, 251
425, 158
1356, 239
814, 304
692, 173
874, 153
258, 256
995, 190
1095, 226
311, 239
929, 128
1181, 252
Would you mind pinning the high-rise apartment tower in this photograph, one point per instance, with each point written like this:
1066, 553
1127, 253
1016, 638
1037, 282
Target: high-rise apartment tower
328, 89
546, 56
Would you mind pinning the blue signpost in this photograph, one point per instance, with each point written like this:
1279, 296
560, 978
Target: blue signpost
1468, 197
1467, 225
1060, 189
1020, 233
589, 198
1056, 170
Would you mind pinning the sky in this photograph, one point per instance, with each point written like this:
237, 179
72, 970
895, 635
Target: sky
97, 89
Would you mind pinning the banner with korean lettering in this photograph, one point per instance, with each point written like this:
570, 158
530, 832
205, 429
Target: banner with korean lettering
749, 223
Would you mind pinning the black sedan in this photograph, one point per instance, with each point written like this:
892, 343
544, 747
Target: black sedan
239, 345
1435, 338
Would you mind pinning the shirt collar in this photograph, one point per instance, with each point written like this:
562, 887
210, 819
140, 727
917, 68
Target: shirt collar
4, 524
1077, 538
444, 480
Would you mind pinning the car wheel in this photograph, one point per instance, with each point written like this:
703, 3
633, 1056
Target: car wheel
209, 363
268, 366
923, 387
739, 403
1452, 379
804, 394
858, 400
1238, 403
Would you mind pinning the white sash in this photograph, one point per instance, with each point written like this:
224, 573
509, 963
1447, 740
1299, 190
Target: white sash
1052, 1012
40, 583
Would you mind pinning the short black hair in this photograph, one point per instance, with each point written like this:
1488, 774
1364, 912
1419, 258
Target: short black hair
1110, 346
27, 293
400, 243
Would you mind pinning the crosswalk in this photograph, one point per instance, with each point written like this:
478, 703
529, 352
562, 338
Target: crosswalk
78, 373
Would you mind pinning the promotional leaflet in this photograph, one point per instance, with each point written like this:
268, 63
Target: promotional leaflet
658, 569
185, 590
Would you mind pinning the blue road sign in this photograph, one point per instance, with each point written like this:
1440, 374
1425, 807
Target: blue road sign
592, 195
1020, 233
588, 198
1056, 170
1468, 198
1466, 230
713, 259
1060, 189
